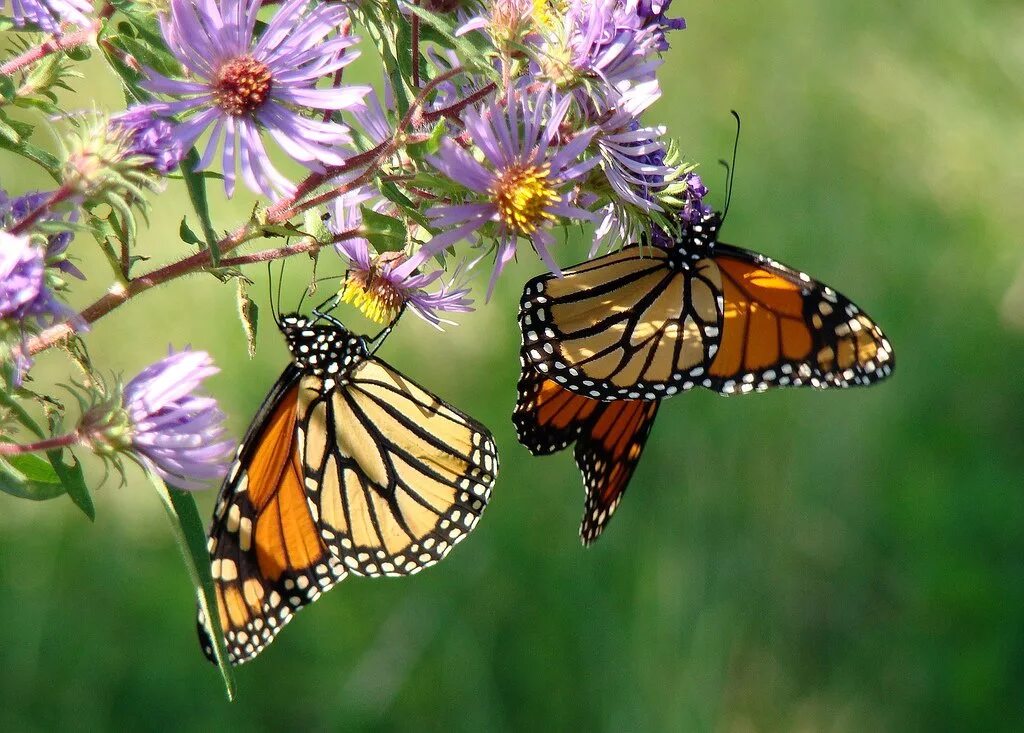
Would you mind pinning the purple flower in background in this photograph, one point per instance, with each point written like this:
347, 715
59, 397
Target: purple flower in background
21, 274
379, 285
652, 14
243, 86
523, 187
177, 433
24, 292
14, 210
694, 208
150, 137
47, 15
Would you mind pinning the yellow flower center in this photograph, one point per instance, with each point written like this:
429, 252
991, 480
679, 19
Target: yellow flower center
523, 195
242, 85
371, 292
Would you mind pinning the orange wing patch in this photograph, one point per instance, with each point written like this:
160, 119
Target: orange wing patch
781, 327
267, 557
610, 438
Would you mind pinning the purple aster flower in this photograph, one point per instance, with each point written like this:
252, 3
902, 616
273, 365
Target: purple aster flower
633, 157
47, 15
379, 285
24, 291
372, 119
177, 433
242, 86
21, 274
694, 209
606, 40
14, 210
150, 138
652, 13
523, 188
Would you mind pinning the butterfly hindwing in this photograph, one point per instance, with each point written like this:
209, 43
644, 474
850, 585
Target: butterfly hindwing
267, 556
607, 454
396, 475
610, 438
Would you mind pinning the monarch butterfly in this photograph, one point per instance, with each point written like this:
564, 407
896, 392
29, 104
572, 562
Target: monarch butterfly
348, 467
645, 323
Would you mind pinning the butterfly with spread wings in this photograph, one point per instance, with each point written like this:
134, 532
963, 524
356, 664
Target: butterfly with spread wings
647, 322
348, 467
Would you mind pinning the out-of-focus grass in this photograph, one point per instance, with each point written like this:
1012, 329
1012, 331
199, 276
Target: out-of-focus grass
839, 561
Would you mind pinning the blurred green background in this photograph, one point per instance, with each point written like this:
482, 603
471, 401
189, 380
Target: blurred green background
792, 561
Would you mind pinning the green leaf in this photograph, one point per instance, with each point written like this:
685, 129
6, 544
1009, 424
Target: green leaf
73, 481
393, 193
7, 88
27, 476
186, 234
8, 401
196, 186
249, 314
191, 538
385, 233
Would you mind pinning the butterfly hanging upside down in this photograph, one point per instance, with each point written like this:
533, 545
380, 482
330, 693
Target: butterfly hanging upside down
612, 337
348, 467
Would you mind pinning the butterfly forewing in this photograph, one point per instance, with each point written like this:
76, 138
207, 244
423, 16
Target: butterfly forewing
267, 556
396, 476
629, 325
783, 328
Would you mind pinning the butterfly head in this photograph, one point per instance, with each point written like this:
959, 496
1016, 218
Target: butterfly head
693, 240
321, 348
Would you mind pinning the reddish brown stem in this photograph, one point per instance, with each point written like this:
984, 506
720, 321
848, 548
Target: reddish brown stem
58, 441
278, 253
52, 45
279, 213
59, 196
454, 110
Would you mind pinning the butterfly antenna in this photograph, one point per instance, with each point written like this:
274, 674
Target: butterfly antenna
280, 285
270, 293
730, 169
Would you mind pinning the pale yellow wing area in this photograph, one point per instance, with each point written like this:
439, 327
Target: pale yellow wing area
635, 324
395, 476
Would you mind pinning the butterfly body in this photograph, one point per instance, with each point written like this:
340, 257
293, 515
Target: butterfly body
348, 467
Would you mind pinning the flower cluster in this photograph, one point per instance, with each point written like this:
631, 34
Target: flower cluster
455, 160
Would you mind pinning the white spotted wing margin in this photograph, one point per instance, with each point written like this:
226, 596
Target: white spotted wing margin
395, 476
267, 559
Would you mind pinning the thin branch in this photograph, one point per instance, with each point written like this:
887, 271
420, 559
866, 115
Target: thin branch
52, 45
279, 213
58, 441
455, 109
